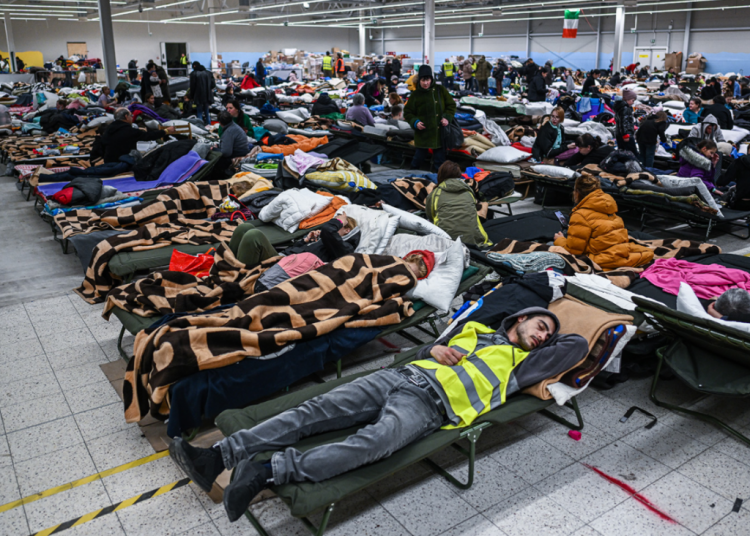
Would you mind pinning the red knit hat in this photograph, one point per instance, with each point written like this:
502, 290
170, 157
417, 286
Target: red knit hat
64, 196
427, 256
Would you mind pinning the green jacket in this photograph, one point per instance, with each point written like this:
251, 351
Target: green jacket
425, 105
452, 207
483, 70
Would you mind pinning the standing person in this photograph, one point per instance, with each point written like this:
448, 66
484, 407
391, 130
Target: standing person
651, 129
163, 83
183, 64
133, 70
483, 72
429, 107
327, 66
448, 73
20, 65
201, 91
466, 75
149, 82
498, 73
474, 84
396, 67
625, 122
260, 72
339, 66
693, 113
388, 70
537, 89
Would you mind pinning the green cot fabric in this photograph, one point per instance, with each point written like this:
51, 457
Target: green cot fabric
305, 498
600, 303
706, 370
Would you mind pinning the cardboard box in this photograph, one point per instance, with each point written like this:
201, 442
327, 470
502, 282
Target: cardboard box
673, 60
696, 64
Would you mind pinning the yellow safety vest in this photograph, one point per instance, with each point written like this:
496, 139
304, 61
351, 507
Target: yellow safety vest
473, 68
448, 68
183, 60
327, 63
478, 383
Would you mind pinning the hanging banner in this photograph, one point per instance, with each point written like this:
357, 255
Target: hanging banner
570, 26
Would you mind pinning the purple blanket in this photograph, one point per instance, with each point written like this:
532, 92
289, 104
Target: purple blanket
148, 111
178, 171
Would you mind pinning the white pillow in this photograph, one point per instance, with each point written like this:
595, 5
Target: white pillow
555, 171
675, 105
503, 155
412, 222
441, 285
688, 302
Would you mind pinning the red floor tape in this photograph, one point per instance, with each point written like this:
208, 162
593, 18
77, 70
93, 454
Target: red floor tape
637, 496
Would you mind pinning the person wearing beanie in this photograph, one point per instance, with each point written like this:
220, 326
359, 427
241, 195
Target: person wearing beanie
424, 259
395, 407
429, 108
625, 122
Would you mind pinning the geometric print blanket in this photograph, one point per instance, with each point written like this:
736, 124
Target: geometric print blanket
187, 203
168, 292
98, 280
354, 291
176, 216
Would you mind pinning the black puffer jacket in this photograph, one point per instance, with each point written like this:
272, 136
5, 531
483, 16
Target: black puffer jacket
722, 114
621, 162
537, 90
152, 165
545, 139
624, 121
324, 105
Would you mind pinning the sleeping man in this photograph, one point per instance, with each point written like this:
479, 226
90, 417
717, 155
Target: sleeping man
464, 374
732, 305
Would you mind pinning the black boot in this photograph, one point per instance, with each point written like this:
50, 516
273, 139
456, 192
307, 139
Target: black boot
250, 478
201, 465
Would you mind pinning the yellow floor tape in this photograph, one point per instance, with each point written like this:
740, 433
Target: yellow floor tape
82, 481
113, 508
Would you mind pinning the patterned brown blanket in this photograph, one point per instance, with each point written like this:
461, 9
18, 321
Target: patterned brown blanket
187, 203
354, 291
162, 293
621, 277
177, 216
98, 280
414, 189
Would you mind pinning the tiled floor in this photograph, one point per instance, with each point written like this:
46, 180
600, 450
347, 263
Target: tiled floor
61, 420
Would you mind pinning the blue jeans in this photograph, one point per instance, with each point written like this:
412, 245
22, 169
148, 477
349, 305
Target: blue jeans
395, 411
438, 157
647, 154
203, 113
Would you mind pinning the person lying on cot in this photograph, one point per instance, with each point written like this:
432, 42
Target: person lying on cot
332, 241
733, 305
465, 374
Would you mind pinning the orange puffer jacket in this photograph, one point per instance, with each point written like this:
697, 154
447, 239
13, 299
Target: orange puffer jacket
597, 231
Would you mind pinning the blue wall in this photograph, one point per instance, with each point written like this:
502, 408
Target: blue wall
204, 58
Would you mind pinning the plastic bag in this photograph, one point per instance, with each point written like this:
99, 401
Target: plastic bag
197, 265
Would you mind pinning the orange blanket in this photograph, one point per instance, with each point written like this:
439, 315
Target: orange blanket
304, 144
324, 215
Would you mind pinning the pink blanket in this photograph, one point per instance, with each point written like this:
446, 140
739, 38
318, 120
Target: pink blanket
708, 281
